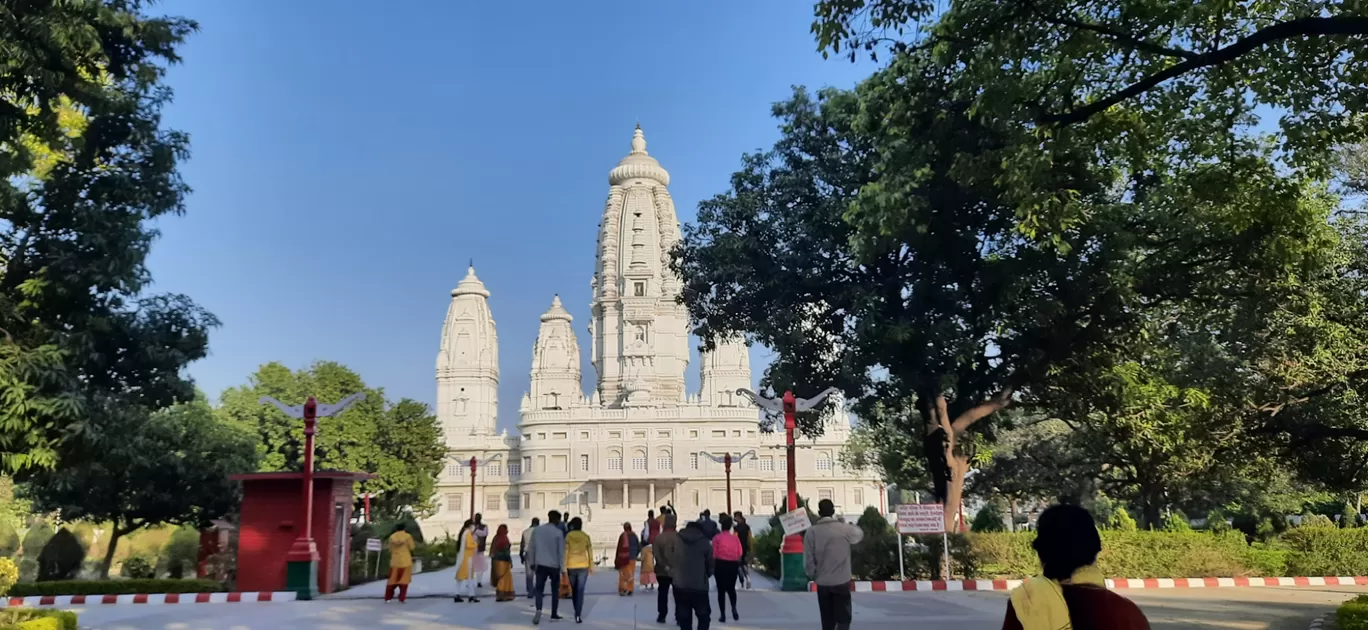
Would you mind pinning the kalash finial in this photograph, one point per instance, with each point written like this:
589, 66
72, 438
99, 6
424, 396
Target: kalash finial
638, 140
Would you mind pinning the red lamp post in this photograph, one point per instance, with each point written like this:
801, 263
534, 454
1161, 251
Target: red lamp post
301, 562
794, 574
727, 460
474, 466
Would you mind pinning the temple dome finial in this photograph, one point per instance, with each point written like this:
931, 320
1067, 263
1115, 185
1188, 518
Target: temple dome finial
556, 312
638, 164
470, 285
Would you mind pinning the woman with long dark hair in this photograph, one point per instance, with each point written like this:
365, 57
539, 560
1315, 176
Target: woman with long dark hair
1071, 592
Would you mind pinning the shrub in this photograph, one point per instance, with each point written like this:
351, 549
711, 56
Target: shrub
1326, 551
1353, 614
876, 556
115, 587
1348, 516
988, 519
37, 538
1177, 522
9, 574
180, 553
9, 540
138, 568
1121, 521
767, 554
439, 554
61, 557
37, 619
1316, 521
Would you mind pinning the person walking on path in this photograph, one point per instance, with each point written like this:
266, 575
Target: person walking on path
691, 566
826, 556
727, 558
401, 564
579, 563
709, 526
465, 563
547, 556
743, 534
666, 545
649, 530
628, 549
501, 566
1072, 592
528, 572
481, 557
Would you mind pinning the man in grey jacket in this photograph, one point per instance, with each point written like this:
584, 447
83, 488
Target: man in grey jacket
826, 555
691, 565
547, 557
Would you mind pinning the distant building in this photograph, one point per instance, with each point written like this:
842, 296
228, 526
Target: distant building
638, 441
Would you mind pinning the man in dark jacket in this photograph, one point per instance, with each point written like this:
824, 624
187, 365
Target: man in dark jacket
690, 568
666, 546
709, 526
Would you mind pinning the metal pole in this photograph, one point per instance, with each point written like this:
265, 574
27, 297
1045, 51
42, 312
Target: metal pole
726, 462
472, 488
310, 424
902, 573
945, 540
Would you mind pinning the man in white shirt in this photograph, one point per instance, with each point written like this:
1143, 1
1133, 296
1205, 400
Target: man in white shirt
522, 555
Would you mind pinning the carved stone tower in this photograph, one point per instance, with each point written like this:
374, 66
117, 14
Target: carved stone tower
468, 364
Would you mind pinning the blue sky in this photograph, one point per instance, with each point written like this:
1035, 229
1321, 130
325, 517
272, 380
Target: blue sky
350, 157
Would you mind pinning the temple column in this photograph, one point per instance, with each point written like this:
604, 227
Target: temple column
603, 502
626, 497
652, 495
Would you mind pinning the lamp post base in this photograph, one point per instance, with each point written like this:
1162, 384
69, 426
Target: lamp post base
795, 577
301, 569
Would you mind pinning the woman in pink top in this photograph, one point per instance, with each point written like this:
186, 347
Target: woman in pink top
727, 563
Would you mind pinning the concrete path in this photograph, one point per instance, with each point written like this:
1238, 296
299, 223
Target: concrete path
1270, 608
443, 584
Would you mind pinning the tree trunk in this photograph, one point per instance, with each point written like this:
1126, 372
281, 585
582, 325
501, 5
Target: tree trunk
1150, 511
1012, 511
114, 537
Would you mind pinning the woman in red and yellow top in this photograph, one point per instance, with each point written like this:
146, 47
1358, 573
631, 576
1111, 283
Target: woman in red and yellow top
401, 564
501, 553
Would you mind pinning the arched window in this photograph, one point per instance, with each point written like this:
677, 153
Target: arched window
639, 459
615, 460
664, 460
824, 461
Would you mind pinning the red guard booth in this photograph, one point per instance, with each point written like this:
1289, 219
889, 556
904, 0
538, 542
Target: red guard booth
271, 515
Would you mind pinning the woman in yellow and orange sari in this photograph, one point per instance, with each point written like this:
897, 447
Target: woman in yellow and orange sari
628, 548
501, 574
401, 564
465, 564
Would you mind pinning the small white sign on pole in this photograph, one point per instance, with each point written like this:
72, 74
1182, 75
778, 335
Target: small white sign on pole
795, 522
925, 518
373, 544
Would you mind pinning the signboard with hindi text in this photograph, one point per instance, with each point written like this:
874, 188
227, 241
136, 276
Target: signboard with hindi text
373, 544
923, 518
795, 522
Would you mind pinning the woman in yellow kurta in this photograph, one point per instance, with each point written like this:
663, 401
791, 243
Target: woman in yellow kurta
401, 564
501, 573
465, 565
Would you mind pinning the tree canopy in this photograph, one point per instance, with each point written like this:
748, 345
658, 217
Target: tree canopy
968, 229
171, 466
400, 442
85, 167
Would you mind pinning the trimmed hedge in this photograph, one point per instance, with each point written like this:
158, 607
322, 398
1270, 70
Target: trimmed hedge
1353, 614
1149, 554
115, 587
37, 619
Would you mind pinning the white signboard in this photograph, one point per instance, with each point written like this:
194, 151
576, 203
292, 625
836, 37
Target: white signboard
373, 544
795, 522
925, 518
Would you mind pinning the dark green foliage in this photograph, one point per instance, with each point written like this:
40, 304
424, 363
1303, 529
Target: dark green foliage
1353, 614
138, 568
1326, 551
116, 587
171, 466
439, 554
9, 540
61, 557
85, 170
989, 519
399, 442
876, 556
179, 555
37, 619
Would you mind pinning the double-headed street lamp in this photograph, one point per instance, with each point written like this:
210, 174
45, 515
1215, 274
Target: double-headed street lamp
475, 465
727, 460
794, 574
301, 562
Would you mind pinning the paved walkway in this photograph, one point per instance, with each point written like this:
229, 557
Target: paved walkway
443, 584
